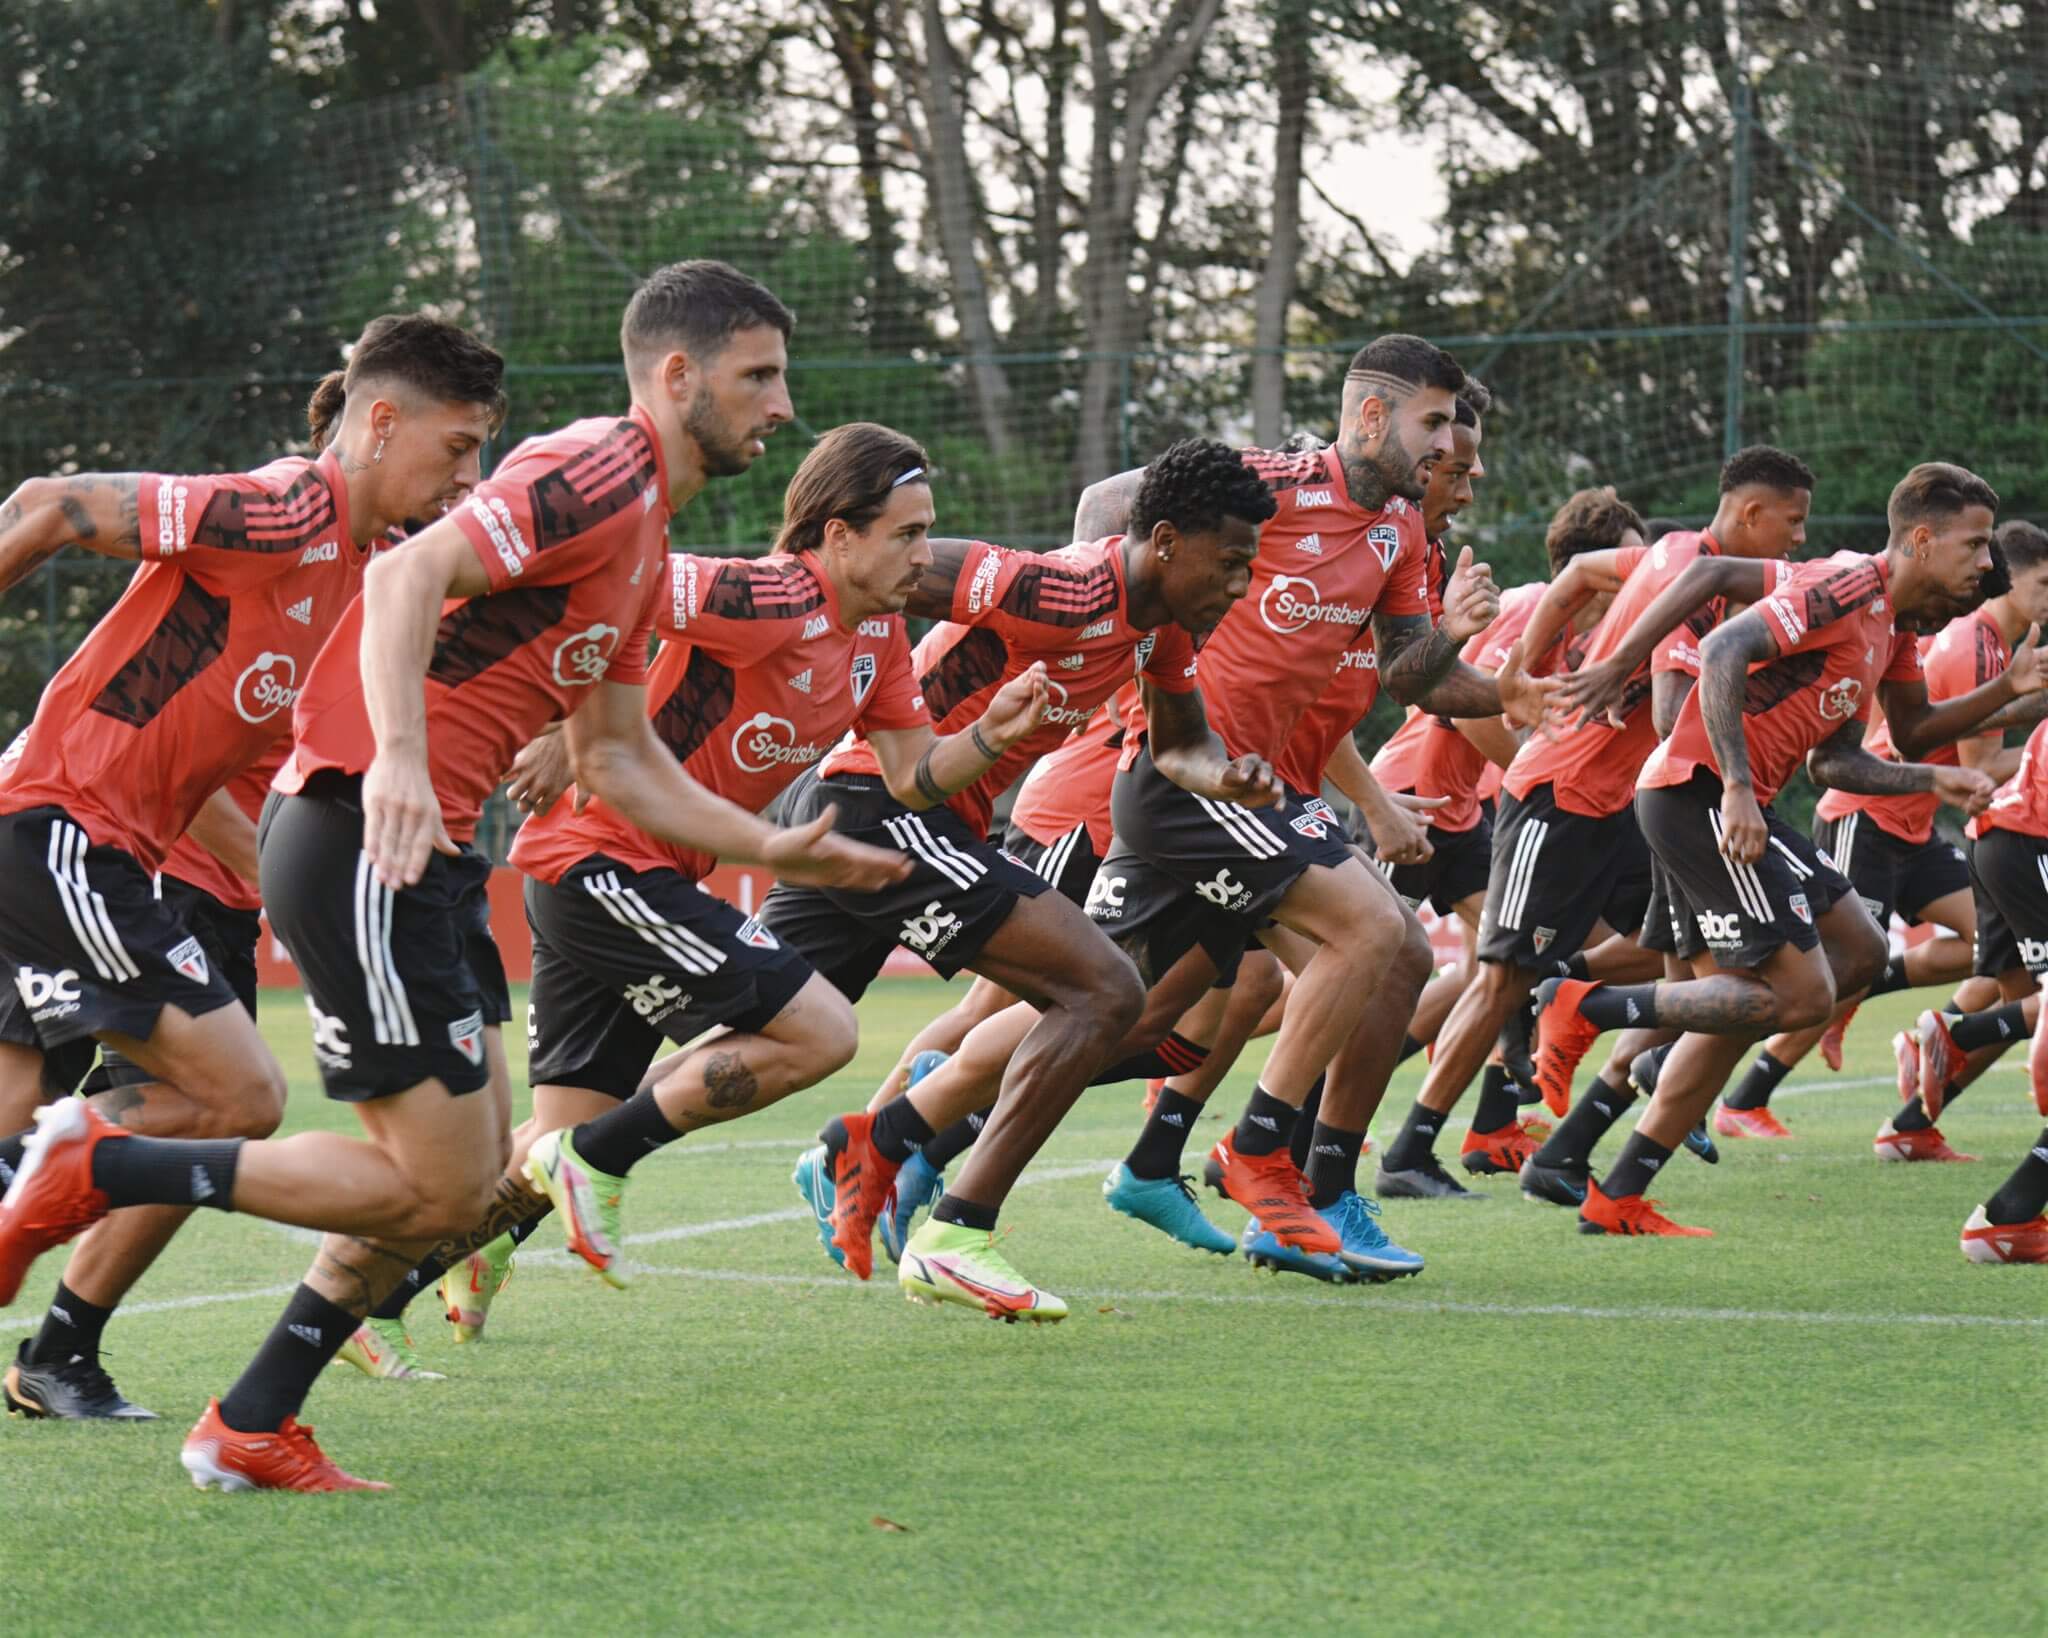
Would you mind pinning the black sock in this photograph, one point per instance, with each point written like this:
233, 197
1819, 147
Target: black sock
1976, 1030
898, 1129
1892, 978
1574, 1139
617, 1140
1639, 1162
1409, 1047
1912, 1115
1574, 966
429, 1269
1754, 1090
1621, 1006
306, 1337
1498, 1100
955, 1140
2021, 1196
1180, 1055
952, 1209
139, 1171
1176, 1055
1265, 1126
1416, 1140
1160, 1144
71, 1329
1305, 1125
10, 1157
1332, 1164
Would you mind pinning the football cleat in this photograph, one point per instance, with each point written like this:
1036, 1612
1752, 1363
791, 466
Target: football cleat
380, 1348
287, 1459
1518, 1050
1503, 1152
1631, 1214
946, 1262
52, 1196
1699, 1141
860, 1183
78, 1390
1925, 1144
587, 1199
1367, 1252
1554, 1185
1268, 1251
1273, 1190
1564, 1035
917, 1188
1153, 1088
1168, 1204
1940, 1060
1831, 1040
813, 1180
1748, 1123
468, 1288
1987, 1242
2037, 1064
1427, 1180
1906, 1054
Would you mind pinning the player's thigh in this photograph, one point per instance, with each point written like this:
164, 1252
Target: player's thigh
1047, 949
1955, 911
1340, 906
218, 1059
445, 1144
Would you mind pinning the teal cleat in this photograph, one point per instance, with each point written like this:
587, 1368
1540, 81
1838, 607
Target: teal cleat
813, 1180
1168, 1204
1264, 1250
917, 1188
1367, 1251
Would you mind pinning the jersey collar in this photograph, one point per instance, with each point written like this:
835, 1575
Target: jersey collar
817, 572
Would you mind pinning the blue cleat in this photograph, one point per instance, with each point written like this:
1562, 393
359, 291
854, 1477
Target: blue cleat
813, 1180
1701, 1142
1642, 1075
1367, 1252
1168, 1204
922, 1065
1264, 1250
917, 1188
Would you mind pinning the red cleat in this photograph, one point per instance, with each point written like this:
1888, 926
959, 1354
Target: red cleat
1906, 1054
1831, 1042
1631, 1214
1564, 1035
1153, 1088
1940, 1060
861, 1180
1502, 1152
2037, 1067
1925, 1144
1273, 1190
215, 1454
51, 1197
1987, 1242
1748, 1123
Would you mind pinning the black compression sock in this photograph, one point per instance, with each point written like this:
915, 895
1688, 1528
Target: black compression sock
1176, 1055
2021, 1196
617, 1140
1164, 1138
1499, 1099
1574, 966
955, 1140
1416, 1140
429, 1269
898, 1129
1266, 1125
1621, 1006
1754, 1090
1892, 978
1976, 1030
1640, 1161
1572, 1142
306, 1337
1332, 1165
965, 1213
71, 1329
1305, 1125
1409, 1047
139, 1171
1912, 1115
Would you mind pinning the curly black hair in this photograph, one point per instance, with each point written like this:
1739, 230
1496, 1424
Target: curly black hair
1593, 520
1194, 485
1475, 400
1773, 468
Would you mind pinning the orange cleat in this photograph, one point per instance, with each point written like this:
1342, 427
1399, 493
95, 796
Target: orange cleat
1153, 1088
1273, 1190
1940, 1059
1987, 1242
1631, 1214
1831, 1042
288, 1459
1749, 1123
860, 1184
1564, 1035
1925, 1144
51, 1197
1501, 1152
1906, 1054
2037, 1068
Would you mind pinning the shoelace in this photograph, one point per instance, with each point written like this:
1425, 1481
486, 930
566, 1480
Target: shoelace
1369, 1231
1186, 1184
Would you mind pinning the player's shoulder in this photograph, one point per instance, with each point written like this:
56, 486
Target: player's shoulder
1078, 585
780, 587
1286, 470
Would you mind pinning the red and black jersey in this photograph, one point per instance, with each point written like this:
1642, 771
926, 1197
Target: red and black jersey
1070, 786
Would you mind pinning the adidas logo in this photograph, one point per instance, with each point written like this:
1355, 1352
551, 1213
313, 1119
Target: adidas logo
1634, 1012
1267, 1121
816, 626
202, 1185
308, 1334
801, 682
59, 1311
1311, 544
1173, 1120
1336, 1149
301, 611
1101, 628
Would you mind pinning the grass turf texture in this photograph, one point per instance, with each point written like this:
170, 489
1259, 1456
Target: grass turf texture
1747, 1434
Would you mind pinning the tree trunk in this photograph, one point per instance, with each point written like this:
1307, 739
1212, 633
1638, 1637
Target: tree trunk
855, 31
1277, 278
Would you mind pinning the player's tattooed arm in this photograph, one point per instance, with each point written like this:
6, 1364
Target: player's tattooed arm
1415, 656
97, 511
1841, 761
1725, 659
1105, 506
1597, 688
1189, 752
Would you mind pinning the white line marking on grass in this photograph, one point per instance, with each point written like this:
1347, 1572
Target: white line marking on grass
16, 1322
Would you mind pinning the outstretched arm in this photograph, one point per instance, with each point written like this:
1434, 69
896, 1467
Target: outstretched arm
922, 770
933, 599
94, 510
1188, 752
1841, 761
1596, 688
1918, 727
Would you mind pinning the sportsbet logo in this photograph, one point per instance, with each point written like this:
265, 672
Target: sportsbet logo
1291, 602
765, 742
1057, 709
267, 685
584, 656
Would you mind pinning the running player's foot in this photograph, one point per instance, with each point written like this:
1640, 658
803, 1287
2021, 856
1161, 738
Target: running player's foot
1555, 1185
587, 1199
380, 1348
1749, 1123
1699, 1141
1153, 1088
1168, 1204
51, 1197
1501, 1153
1518, 1047
1831, 1041
813, 1180
78, 1390
1425, 1180
1631, 1214
1906, 1054
288, 1459
860, 1183
1563, 1036
1987, 1242
1367, 1252
1273, 1190
917, 1188
2037, 1063
1940, 1060
944, 1262
1925, 1144
468, 1288
1264, 1249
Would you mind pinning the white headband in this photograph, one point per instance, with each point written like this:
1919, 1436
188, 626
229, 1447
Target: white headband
914, 472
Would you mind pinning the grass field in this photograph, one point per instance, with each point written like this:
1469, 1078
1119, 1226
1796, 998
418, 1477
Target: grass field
1821, 1421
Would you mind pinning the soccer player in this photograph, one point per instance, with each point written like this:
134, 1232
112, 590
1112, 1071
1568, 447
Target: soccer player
407, 721
1780, 931
186, 684
1093, 613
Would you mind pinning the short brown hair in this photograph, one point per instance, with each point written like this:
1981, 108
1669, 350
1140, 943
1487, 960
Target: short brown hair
697, 306
1593, 520
441, 360
1934, 492
849, 474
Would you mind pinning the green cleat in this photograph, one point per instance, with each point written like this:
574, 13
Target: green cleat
943, 1262
587, 1199
380, 1348
468, 1287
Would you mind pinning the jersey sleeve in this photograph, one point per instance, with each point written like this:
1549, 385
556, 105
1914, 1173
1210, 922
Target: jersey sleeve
895, 701
709, 602
1171, 666
984, 572
548, 517
1807, 603
234, 530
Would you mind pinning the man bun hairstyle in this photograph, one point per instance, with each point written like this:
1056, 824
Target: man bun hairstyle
696, 307
1771, 467
1593, 520
437, 360
1934, 492
849, 474
1194, 485
1399, 358
1474, 403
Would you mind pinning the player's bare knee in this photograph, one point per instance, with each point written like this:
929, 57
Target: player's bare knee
1259, 982
1807, 1001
